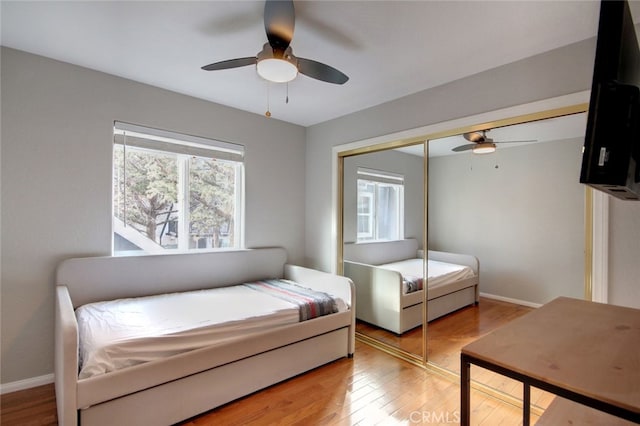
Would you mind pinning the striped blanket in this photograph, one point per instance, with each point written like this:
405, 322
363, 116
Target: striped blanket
311, 303
411, 283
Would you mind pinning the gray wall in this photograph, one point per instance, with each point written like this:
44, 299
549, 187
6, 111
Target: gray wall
523, 220
624, 253
410, 166
57, 124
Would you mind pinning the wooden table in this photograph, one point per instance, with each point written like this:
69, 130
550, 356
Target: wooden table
582, 351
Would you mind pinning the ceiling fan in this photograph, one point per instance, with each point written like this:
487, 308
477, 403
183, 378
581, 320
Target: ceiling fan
276, 62
481, 144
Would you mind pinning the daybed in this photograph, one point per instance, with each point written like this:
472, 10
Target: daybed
381, 289
182, 385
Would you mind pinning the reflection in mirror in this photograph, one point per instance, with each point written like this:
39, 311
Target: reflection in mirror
520, 211
383, 223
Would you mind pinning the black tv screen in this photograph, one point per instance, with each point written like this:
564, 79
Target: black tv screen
611, 156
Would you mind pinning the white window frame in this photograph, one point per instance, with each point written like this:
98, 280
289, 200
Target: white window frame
185, 147
369, 233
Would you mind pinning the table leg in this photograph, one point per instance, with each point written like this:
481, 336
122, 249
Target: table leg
465, 391
526, 404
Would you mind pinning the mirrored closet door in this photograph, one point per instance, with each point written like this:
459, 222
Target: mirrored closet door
382, 236
517, 209
520, 210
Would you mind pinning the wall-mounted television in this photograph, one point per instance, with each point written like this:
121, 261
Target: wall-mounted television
611, 155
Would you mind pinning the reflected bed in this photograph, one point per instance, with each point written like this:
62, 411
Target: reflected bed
388, 280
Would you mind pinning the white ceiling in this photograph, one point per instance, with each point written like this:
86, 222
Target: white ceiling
389, 49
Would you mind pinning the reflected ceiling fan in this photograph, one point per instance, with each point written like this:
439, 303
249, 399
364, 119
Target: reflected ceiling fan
276, 61
481, 144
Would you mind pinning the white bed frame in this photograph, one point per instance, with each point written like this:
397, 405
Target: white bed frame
182, 386
381, 301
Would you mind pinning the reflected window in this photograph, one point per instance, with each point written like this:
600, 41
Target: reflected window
380, 205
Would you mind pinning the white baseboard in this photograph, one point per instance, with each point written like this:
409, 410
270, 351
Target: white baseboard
510, 300
26, 384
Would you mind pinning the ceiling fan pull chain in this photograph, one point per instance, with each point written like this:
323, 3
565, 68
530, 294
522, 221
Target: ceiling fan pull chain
268, 113
287, 99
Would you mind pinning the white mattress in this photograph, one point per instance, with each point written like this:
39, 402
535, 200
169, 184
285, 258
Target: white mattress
439, 273
121, 333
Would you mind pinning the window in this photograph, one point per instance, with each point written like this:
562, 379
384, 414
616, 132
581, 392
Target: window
380, 205
175, 192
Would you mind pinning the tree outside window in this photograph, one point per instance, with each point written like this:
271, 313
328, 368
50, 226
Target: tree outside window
168, 199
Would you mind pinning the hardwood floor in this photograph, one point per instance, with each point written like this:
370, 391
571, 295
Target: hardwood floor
31, 407
372, 388
448, 334
410, 341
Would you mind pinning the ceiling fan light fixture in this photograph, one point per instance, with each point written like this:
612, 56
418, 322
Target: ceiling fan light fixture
277, 70
277, 66
484, 148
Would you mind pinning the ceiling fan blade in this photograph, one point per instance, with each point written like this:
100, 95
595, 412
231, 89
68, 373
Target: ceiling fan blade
462, 148
230, 63
321, 71
523, 141
279, 22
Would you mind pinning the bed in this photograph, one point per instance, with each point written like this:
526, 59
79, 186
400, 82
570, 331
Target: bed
388, 282
179, 371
